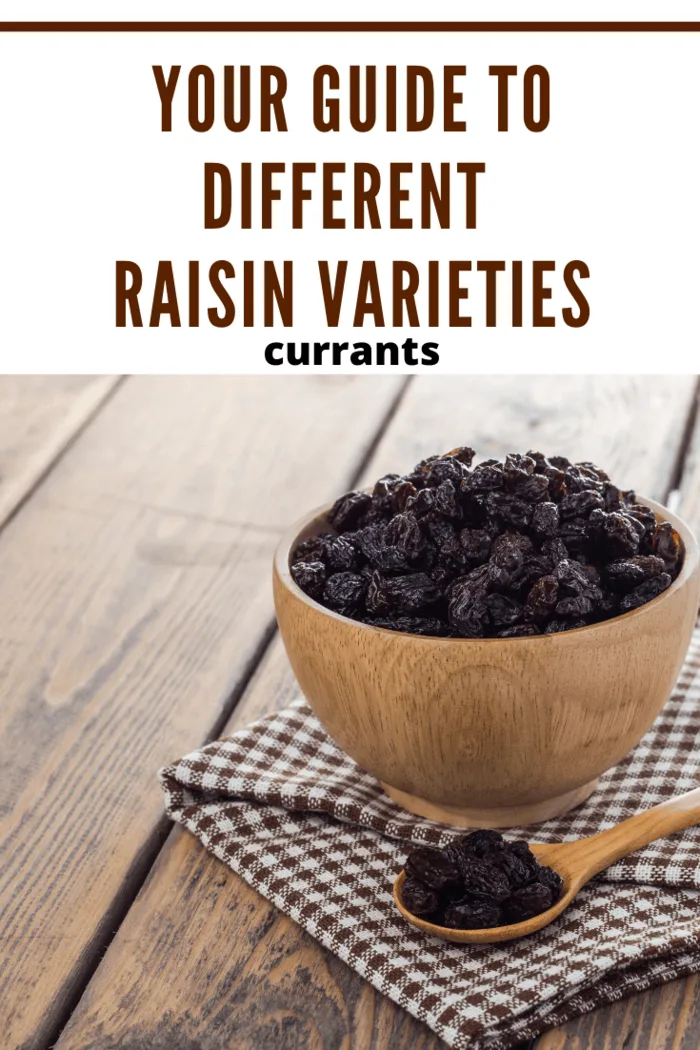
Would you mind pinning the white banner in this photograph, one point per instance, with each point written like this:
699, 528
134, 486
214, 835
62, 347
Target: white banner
348, 202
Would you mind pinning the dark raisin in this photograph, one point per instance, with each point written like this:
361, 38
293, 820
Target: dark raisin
666, 545
427, 626
580, 504
609, 605
528, 901
385, 486
503, 611
421, 469
575, 607
611, 497
476, 544
341, 555
552, 880
645, 515
645, 592
347, 511
533, 568
518, 630
401, 594
468, 619
313, 549
418, 898
401, 494
593, 471
368, 541
310, 576
404, 533
532, 488
481, 878
576, 535
522, 849
474, 583
519, 870
482, 843
470, 914
448, 469
517, 465
484, 478
576, 580
615, 534
578, 479
542, 599
446, 501
467, 613
439, 530
545, 520
509, 510
463, 454
453, 557
557, 483
422, 503
505, 564
344, 592
554, 551
433, 868
626, 573
555, 626
541, 462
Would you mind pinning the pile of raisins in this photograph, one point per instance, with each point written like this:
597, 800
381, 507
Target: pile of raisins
478, 882
524, 547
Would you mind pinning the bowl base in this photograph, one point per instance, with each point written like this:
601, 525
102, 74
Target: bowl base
508, 817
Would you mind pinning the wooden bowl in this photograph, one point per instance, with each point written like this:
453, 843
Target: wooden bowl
487, 732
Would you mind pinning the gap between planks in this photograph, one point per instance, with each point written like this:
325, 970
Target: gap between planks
137, 875
41, 465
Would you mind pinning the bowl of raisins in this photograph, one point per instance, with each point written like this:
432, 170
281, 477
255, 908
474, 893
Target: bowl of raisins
488, 639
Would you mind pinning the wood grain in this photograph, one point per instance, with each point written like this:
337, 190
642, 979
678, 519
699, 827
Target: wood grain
202, 961
152, 989
39, 416
666, 1018
689, 484
136, 594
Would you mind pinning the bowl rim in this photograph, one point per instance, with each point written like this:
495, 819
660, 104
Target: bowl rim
290, 538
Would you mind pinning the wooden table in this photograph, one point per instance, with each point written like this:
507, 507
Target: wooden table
139, 518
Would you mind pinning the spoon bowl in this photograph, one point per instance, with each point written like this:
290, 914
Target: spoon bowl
551, 855
577, 862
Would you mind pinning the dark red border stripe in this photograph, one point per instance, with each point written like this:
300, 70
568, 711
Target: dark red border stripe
349, 27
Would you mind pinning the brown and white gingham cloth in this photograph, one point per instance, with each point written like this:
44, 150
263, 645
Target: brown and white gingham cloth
281, 805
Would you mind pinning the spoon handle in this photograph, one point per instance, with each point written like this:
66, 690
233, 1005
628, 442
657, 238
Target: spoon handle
601, 850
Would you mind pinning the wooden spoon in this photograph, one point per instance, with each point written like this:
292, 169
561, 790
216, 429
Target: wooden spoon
577, 862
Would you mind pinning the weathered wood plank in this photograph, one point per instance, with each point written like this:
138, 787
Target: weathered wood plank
39, 416
666, 1018
135, 596
204, 961
264, 983
689, 484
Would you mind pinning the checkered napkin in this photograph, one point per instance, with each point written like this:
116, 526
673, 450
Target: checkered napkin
280, 804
